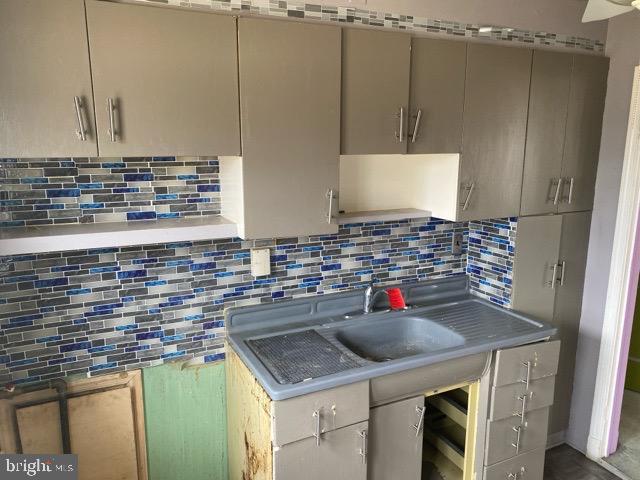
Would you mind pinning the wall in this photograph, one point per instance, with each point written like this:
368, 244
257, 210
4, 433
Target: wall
185, 422
622, 46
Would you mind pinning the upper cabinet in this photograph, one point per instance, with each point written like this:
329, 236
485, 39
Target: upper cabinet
165, 81
563, 138
45, 89
375, 91
285, 183
495, 126
437, 96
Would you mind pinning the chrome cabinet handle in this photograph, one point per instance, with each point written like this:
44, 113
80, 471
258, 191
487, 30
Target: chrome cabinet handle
516, 445
556, 197
112, 119
552, 282
401, 128
563, 265
416, 126
418, 426
468, 199
363, 449
515, 476
316, 426
571, 182
82, 131
523, 399
527, 379
330, 195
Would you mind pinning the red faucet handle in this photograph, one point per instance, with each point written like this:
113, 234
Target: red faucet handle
396, 300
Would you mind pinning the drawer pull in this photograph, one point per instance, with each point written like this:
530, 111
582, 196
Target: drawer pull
316, 426
517, 475
516, 445
527, 379
523, 399
418, 426
363, 448
556, 197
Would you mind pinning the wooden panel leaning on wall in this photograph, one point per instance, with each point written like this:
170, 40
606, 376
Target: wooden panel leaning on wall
100, 419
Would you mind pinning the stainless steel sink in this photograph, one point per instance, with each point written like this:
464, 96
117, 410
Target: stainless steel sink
394, 338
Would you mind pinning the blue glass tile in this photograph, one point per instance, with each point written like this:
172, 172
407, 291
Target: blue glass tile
91, 205
75, 346
199, 200
380, 261
167, 196
12, 223
131, 326
279, 294
163, 159
313, 248
132, 274
188, 177
51, 338
104, 269
202, 266
103, 366
137, 348
126, 190
77, 291
20, 278
223, 274
294, 266
155, 283
149, 335
168, 215
383, 231
4, 359
34, 180
241, 255
63, 192
51, 282
194, 317
172, 338
335, 266
209, 188
58, 361
20, 363
214, 357
278, 258
53, 206
138, 177
90, 186
141, 215
178, 244
173, 354
214, 324
113, 165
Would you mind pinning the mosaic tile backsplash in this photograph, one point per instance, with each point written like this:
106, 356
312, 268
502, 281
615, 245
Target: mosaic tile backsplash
361, 16
111, 309
88, 190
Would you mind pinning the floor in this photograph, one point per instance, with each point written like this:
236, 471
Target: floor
627, 458
565, 463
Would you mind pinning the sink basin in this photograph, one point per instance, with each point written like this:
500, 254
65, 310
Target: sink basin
397, 338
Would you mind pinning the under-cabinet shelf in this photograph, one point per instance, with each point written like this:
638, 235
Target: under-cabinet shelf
381, 215
54, 238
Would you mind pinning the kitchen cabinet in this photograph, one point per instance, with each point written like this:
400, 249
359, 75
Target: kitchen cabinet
549, 266
563, 137
165, 81
436, 96
375, 91
286, 181
495, 122
45, 92
396, 433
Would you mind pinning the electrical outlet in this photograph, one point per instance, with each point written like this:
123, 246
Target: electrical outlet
260, 262
456, 244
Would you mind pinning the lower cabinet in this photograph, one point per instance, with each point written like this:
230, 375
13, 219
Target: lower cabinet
337, 455
527, 466
395, 447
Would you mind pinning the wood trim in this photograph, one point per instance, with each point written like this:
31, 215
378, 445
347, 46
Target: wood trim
618, 313
472, 427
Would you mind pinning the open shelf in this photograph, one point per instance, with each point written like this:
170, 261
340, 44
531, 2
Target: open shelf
54, 238
381, 215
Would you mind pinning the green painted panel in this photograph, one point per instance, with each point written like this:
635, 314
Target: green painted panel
633, 376
186, 423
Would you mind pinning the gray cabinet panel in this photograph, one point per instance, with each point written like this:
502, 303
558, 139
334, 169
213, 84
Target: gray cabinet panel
395, 448
290, 109
548, 104
172, 76
437, 92
504, 435
511, 363
584, 128
44, 61
568, 309
528, 466
509, 400
338, 456
375, 86
537, 250
495, 120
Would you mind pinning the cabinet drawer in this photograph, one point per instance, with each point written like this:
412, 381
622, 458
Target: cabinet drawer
510, 399
294, 419
511, 364
528, 466
502, 435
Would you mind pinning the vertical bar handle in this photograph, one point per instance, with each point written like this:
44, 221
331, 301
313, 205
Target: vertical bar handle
527, 379
556, 197
112, 119
330, 196
468, 199
82, 131
363, 449
416, 126
516, 445
563, 265
401, 124
552, 284
523, 399
418, 426
316, 426
571, 182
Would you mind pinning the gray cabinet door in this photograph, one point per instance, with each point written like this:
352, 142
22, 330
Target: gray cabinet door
537, 251
584, 129
495, 121
437, 95
172, 78
375, 88
290, 109
548, 103
340, 455
395, 448
568, 308
44, 59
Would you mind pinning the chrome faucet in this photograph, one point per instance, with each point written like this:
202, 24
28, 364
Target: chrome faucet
370, 296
